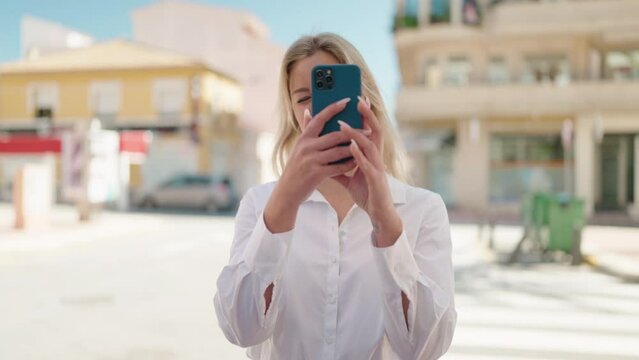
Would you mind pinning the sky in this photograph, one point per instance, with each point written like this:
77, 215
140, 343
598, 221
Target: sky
366, 23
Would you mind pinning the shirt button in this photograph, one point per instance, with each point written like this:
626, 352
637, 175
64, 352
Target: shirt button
333, 260
329, 339
331, 299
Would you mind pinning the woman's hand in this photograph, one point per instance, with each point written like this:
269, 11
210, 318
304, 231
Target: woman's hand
368, 186
307, 166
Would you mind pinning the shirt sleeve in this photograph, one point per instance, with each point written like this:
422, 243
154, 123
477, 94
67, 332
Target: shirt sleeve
257, 260
425, 275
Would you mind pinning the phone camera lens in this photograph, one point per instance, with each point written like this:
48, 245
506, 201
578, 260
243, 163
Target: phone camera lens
320, 84
320, 73
329, 79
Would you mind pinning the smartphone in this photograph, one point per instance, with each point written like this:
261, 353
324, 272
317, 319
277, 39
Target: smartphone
332, 83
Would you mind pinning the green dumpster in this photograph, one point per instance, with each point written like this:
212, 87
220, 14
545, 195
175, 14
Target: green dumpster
540, 206
566, 219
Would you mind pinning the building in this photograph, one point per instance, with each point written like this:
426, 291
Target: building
502, 98
41, 37
188, 108
234, 41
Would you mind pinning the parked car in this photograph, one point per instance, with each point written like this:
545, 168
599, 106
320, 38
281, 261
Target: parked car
192, 191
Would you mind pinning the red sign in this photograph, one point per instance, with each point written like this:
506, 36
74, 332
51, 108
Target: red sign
134, 141
29, 144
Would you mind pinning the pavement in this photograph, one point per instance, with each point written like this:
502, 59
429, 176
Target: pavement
612, 249
139, 286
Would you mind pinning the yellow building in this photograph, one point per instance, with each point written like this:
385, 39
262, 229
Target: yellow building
190, 109
489, 87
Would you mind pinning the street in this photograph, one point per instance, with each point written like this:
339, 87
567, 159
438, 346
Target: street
140, 286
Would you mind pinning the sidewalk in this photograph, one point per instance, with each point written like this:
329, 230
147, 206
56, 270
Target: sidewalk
614, 250
610, 249
65, 229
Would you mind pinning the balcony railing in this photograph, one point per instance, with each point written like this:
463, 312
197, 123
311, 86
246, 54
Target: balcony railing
418, 103
405, 22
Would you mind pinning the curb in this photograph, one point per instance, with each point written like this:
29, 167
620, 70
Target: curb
608, 267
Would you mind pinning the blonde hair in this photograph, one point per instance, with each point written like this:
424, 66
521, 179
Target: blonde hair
394, 155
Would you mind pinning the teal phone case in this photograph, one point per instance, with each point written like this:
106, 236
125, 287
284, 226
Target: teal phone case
346, 82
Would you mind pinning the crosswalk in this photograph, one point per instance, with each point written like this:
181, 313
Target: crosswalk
544, 311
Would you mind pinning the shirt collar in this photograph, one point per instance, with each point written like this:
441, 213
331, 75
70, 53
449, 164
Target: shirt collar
396, 187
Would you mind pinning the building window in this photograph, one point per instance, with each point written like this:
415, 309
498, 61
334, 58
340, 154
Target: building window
522, 164
105, 99
439, 11
498, 72
458, 71
546, 69
407, 14
412, 8
430, 74
170, 96
622, 65
42, 100
471, 13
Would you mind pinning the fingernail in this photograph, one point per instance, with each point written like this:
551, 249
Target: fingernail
367, 131
361, 99
307, 113
342, 124
368, 101
344, 101
354, 143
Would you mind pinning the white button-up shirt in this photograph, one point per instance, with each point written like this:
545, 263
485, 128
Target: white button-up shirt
336, 295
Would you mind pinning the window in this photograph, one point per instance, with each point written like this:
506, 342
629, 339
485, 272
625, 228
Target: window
105, 99
431, 74
521, 164
622, 65
458, 70
169, 96
471, 13
407, 14
439, 11
42, 100
546, 69
498, 72
412, 8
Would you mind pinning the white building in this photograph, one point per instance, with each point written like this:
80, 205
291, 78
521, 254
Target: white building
40, 37
233, 41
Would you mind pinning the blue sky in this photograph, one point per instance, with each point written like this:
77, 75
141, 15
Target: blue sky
366, 23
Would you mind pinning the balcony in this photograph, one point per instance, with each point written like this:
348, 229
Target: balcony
418, 103
605, 21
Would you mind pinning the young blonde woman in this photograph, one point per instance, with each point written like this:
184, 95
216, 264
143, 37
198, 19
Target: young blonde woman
341, 261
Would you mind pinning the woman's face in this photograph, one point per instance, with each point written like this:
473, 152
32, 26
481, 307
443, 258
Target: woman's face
299, 85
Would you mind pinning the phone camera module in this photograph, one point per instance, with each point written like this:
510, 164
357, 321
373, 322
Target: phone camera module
320, 73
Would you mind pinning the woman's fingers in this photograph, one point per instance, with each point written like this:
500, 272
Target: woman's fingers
369, 121
361, 160
316, 124
333, 154
334, 138
366, 146
339, 169
306, 118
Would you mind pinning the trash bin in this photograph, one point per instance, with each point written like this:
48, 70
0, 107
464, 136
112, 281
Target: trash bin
566, 219
540, 209
551, 223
